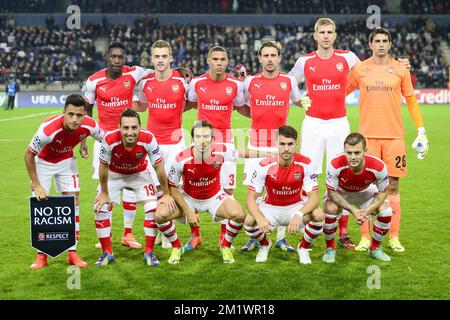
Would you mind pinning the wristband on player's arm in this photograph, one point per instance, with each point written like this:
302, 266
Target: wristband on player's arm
299, 213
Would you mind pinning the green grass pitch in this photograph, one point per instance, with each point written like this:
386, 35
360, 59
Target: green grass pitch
419, 273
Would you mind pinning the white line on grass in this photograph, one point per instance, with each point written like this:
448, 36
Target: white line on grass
29, 116
13, 140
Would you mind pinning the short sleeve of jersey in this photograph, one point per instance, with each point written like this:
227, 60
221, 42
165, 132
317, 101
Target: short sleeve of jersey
332, 181
352, 59
246, 86
258, 179
310, 181
382, 179
175, 173
295, 92
239, 100
97, 133
39, 141
298, 70
141, 95
192, 95
154, 152
89, 91
141, 73
407, 87
105, 152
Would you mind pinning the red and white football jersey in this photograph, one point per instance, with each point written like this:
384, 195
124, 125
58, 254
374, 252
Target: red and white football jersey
269, 101
113, 96
165, 100
201, 178
325, 81
284, 186
216, 100
121, 160
53, 143
339, 175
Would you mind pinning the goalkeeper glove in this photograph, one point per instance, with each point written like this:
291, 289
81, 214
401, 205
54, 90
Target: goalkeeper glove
240, 72
305, 101
421, 143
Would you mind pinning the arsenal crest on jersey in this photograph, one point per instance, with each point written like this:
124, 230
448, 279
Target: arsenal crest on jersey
127, 84
229, 90
283, 85
175, 88
139, 155
298, 176
216, 164
391, 70
340, 67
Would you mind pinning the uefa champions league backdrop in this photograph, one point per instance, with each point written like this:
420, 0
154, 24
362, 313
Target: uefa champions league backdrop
40, 42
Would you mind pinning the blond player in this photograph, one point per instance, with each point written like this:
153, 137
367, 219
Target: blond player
382, 82
163, 94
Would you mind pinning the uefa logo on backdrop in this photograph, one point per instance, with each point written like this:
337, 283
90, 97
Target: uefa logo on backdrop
41, 236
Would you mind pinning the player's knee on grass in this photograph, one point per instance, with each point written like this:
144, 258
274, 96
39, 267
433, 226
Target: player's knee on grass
330, 207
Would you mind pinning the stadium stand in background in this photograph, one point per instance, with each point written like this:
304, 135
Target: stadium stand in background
196, 6
49, 53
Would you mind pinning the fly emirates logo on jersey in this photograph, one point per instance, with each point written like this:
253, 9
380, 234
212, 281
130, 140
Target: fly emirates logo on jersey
214, 105
286, 191
269, 101
114, 102
161, 104
326, 85
203, 182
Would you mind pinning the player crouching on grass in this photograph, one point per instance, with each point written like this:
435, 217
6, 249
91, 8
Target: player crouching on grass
286, 177
123, 164
199, 166
50, 156
356, 178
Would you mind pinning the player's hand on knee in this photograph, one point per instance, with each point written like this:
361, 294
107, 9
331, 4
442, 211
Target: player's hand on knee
294, 224
169, 202
40, 193
100, 201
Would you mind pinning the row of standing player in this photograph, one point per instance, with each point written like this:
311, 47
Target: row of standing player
329, 117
